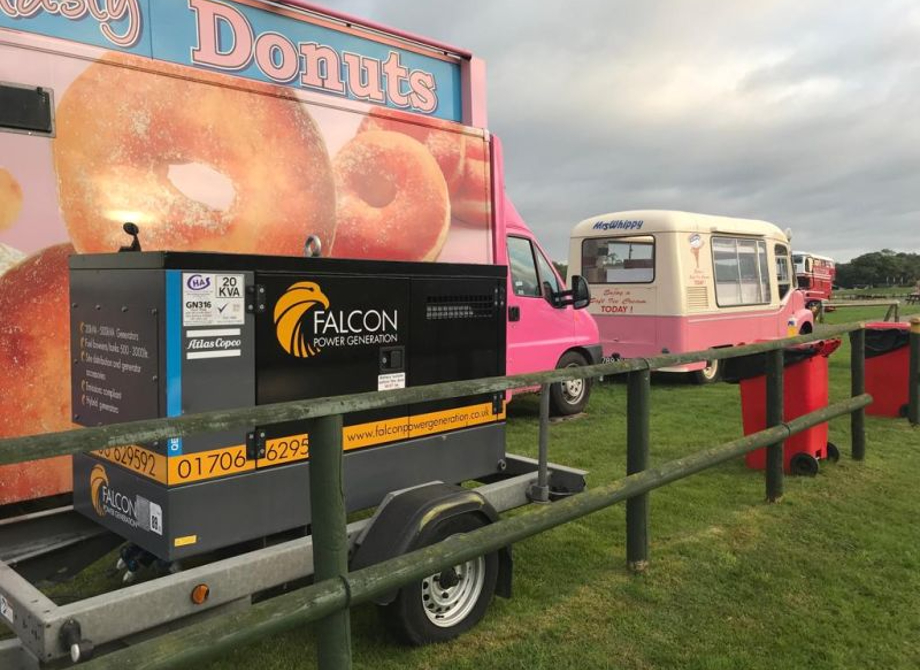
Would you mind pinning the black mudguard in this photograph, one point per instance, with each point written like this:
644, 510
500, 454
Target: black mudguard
405, 517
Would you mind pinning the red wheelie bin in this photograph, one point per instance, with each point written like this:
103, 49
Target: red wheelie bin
804, 390
887, 368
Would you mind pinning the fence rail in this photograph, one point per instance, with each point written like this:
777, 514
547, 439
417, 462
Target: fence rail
336, 591
892, 314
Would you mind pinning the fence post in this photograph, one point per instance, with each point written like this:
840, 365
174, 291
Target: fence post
858, 387
637, 442
775, 456
913, 405
330, 540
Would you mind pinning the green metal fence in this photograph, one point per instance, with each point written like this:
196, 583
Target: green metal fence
335, 591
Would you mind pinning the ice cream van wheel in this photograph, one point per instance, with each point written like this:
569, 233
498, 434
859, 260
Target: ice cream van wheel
833, 453
803, 465
446, 604
709, 374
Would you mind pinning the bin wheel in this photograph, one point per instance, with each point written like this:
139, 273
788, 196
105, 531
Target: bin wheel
804, 465
833, 453
903, 411
446, 604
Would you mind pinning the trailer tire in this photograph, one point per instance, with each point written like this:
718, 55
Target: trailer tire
425, 612
567, 398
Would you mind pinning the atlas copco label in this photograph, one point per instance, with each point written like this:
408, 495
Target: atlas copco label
306, 323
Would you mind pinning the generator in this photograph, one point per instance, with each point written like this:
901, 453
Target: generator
162, 334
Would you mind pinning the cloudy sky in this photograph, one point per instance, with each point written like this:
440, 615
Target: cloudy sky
806, 114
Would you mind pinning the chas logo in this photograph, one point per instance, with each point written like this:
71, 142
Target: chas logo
291, 322
198, 282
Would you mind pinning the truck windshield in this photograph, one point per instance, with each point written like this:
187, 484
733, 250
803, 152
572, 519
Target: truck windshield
619, 260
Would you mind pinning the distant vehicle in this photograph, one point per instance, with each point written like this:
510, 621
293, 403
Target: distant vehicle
672, 282
815, 275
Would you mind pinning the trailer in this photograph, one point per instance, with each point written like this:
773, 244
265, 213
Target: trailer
158, 334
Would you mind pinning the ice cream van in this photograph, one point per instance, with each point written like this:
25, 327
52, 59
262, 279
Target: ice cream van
246, 127
670, 282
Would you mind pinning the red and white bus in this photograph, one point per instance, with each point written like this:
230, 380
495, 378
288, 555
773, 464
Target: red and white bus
815, 275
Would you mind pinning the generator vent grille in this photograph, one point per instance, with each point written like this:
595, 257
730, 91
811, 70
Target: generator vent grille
460, 307
697, 298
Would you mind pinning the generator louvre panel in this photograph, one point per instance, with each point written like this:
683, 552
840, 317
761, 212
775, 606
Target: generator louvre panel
460, 307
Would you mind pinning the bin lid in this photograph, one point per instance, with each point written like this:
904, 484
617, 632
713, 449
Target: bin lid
884, 337
735, 370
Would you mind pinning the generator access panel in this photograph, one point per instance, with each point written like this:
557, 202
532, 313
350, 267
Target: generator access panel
161, 334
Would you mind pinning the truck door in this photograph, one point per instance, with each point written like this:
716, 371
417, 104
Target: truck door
538, 333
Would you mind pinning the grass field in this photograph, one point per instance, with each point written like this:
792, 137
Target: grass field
828, 578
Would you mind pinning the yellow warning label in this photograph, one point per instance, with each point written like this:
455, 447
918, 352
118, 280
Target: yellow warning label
285, 450
137, 459
185, 541
208, 464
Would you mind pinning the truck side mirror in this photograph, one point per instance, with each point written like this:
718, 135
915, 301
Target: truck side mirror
579, 297
581, 294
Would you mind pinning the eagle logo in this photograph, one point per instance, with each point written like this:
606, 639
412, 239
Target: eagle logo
291, 323
97, 479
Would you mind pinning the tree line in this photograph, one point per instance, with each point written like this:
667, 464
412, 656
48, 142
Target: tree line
880, 268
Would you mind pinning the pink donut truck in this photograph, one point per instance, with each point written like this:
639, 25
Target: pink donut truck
244, 127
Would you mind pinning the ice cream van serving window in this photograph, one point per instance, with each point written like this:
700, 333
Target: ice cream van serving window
742, 271
619, 260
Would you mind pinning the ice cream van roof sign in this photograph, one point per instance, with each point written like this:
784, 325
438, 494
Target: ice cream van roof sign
255, 40
619, 224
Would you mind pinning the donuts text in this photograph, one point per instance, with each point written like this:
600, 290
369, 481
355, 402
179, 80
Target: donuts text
105, 12
317, 66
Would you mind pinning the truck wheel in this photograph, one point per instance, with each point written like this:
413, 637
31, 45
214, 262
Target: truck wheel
444, 605
833, 453
566, 398
708, 375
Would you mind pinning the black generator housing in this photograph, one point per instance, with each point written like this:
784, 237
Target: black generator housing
160, 334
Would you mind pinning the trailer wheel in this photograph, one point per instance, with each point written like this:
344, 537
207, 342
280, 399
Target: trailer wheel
708, 375
447, 604
803, 465
570, 397
833, 453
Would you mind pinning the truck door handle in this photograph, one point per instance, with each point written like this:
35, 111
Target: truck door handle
514, 314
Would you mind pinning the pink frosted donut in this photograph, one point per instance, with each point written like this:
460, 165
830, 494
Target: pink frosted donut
393, 202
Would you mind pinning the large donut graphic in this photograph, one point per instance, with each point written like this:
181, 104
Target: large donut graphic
97, 479
291, 326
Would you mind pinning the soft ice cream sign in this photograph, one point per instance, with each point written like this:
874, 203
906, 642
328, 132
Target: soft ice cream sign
257, 40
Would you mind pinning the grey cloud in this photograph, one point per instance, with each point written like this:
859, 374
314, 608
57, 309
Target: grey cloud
799, 113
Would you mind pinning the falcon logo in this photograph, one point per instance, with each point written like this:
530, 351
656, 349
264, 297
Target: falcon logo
97, 479
291, 318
